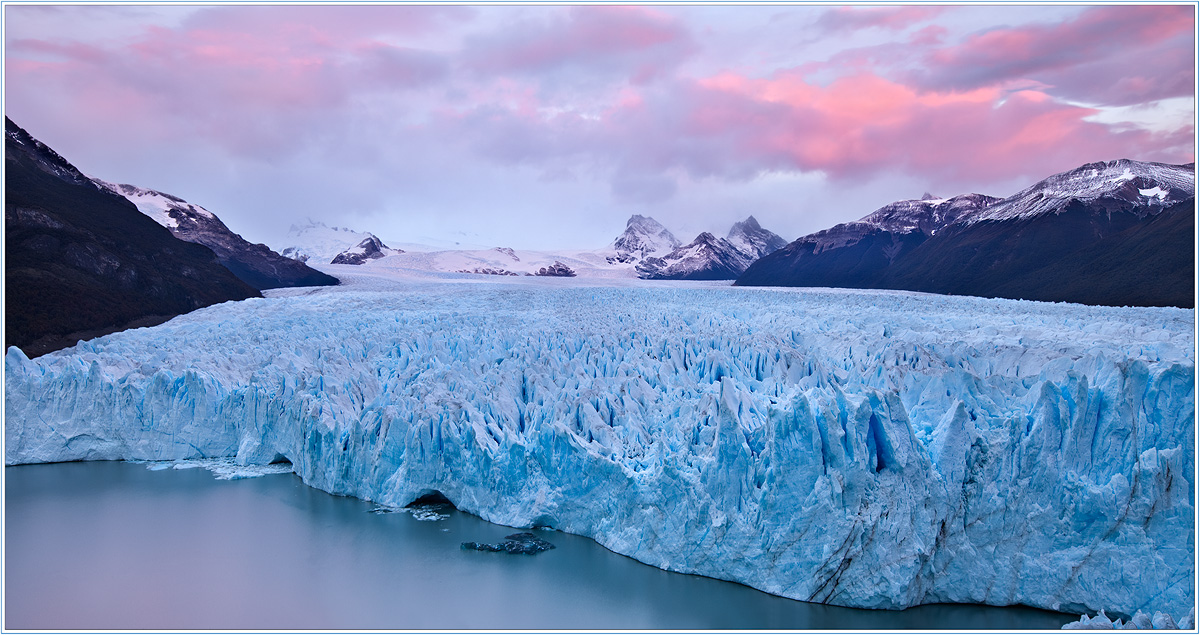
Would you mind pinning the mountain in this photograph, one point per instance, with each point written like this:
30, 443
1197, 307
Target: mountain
705, 258
82, 262
855, 254
254, 264
371, 248
751, 239
711, 258
643, 237
1114, 233
319, 243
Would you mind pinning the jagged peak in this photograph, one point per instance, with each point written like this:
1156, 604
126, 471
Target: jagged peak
748, 225
644, 236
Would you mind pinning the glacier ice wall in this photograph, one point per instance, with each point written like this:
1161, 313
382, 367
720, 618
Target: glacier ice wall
868, 449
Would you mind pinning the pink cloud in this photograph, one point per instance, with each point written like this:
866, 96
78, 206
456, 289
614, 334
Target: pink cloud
891, 18
866, 124
255, 81
329, 25
729, 126
637, 43
1111, 55
601, 91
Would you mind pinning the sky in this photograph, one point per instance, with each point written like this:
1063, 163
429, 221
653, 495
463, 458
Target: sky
545, 127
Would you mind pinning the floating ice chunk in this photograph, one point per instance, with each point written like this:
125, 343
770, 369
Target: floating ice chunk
427, 512
223, 469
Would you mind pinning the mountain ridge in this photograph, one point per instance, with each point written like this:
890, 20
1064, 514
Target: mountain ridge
990, 247
82, 261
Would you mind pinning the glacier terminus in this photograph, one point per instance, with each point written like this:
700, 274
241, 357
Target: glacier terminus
875, 449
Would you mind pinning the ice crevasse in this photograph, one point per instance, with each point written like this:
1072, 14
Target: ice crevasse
859, 448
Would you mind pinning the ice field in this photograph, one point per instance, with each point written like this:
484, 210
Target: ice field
861, 448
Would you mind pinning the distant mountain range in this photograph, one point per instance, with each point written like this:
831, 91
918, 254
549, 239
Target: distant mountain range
657, 254
645, 249
82, 261
1113, 233
317, 243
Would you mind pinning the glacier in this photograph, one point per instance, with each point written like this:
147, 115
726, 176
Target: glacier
875, 449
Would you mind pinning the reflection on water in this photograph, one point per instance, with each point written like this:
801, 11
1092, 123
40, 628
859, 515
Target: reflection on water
116, 546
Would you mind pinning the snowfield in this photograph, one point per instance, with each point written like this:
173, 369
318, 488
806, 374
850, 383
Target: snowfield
860, 448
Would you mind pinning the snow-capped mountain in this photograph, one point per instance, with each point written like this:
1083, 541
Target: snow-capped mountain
752, 240
319, 243
255, 264
82, 261
705, 258
371, 248
1106, 233
1145, 188
929, 214
643, 237
711, 258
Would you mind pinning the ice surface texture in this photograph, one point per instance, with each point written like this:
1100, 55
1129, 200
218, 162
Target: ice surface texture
861, 448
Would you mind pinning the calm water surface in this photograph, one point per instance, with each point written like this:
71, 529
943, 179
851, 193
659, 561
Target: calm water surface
117, 546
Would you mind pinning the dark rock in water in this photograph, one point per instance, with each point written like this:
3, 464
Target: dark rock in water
525, 543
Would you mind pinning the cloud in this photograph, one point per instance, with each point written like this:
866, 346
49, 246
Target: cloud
866, 124
260, 81
636, 44
843, 19
857, 127
1106, 55
615, 106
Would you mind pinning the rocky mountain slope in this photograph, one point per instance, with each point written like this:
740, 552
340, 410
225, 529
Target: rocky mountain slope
711, 258
643, 238
255, 264
1115, 233
371, 248
82, 261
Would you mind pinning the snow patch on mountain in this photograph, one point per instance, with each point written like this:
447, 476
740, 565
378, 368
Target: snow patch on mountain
1153, 186
157, 205
643, 237
315, 242
371, 248
711, 258
860, 448
753, 240
705, 258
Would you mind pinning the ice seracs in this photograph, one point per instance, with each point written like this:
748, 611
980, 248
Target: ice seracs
860, 448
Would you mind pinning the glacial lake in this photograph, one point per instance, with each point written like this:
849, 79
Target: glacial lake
109, 545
